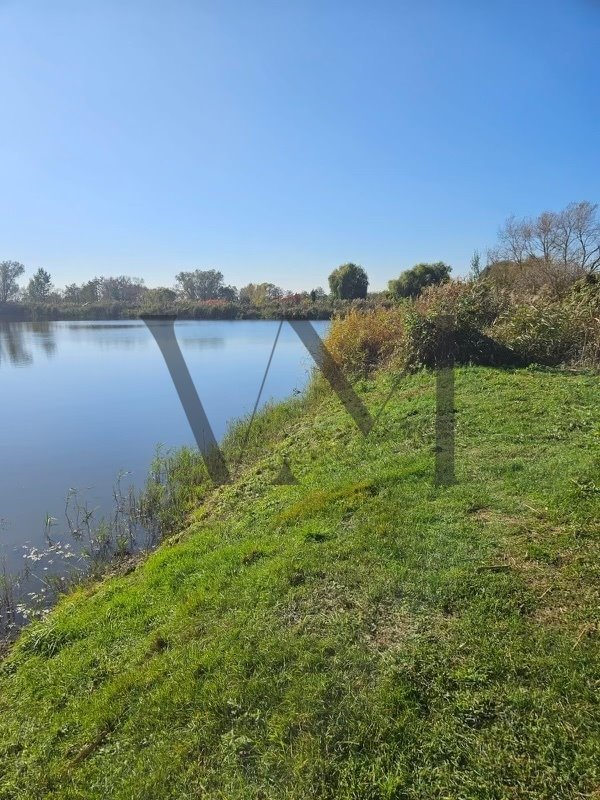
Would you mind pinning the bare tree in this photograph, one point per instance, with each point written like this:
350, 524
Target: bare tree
543, 233
121, 289
555, 248
514, 239
585, 238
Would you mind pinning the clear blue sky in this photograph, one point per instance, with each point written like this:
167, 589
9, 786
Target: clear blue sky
276, 140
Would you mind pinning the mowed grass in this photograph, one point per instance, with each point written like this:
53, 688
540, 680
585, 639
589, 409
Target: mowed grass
359, 634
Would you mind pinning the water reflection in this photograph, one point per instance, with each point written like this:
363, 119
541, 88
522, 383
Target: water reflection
203, 342
102, 326
44, 337
19, 341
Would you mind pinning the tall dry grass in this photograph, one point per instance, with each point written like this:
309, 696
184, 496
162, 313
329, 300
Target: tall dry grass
362, 340
488, 325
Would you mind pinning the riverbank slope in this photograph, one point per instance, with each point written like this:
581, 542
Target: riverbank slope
358, 633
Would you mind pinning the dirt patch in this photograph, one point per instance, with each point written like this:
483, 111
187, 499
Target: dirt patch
319, 603
491, 516
391, 628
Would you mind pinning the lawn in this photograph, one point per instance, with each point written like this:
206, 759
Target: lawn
361, 633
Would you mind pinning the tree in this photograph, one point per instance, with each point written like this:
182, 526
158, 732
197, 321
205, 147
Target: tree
86, 294
71, 293
90, 291
349, 282
514, 239
317, 294
412, 281
39, 287
121, 289
475, 272
555, 248
579, 236
228, 293
9, 272
204, 285
161, 296
259, 294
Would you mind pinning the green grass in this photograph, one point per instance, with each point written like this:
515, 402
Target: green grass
361, 634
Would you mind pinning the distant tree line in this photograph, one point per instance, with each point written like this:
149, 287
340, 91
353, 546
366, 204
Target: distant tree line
545, 253
196, 293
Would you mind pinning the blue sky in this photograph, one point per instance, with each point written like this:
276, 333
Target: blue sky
276, 140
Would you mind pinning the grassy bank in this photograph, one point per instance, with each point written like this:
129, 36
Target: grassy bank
358, 634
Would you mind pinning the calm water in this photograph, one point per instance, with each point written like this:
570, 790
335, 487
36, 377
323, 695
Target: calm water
82, 401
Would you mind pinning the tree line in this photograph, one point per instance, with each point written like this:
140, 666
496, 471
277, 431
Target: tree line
196, 286
346, 282
550, 251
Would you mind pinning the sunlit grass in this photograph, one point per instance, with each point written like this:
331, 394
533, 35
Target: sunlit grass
359, 634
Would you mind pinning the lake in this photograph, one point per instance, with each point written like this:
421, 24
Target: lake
81, 402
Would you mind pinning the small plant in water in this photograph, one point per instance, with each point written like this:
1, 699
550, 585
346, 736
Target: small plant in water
91, 544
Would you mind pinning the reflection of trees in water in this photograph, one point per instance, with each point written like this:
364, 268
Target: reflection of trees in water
203, 342
44, 336
109, 335
12, 346
16, 339
132, 334
20, 340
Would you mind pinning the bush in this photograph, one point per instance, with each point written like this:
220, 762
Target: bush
472, 323
541, 333
583, 304
362, 340
447, 321
466, 303
551, 332
451, 321
432, 342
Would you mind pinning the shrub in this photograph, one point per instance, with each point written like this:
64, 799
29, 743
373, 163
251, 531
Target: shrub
435, 340
447, 321
551, 332
361, 340
467, 303
451, 320
583, 303
541, 332
471, 322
